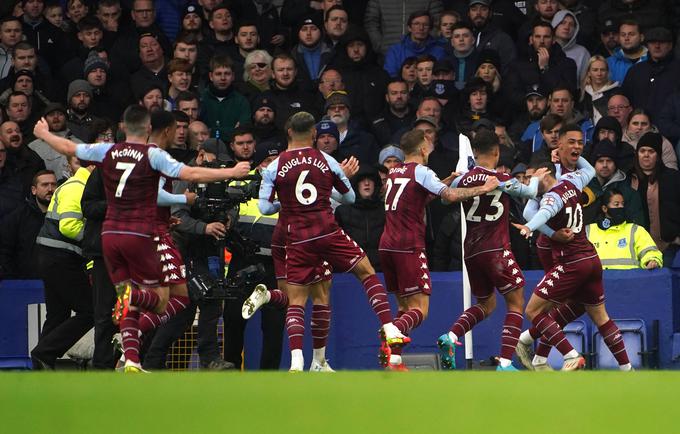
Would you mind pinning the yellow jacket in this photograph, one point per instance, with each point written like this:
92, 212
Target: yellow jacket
64, 223
624, 247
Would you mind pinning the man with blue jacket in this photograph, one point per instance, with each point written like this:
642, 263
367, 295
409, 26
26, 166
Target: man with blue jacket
415, 43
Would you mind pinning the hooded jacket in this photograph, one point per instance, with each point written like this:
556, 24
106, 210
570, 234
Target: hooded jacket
364, 220
397, 53
365, 81
619, 64
626, 153
574, 51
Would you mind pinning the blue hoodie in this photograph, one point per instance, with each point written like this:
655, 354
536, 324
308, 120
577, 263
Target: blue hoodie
619, 64
397, 53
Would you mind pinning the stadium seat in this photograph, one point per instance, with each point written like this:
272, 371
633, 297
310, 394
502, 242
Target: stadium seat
634, 332
577, 335
421, 361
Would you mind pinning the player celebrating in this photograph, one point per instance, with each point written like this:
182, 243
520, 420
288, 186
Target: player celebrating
410, 186
488, 257
577, 273
302, 178
131, 172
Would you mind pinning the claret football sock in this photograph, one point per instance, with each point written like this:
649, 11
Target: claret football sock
377, 298
144, 298
278, 298
612, 337
295, 325
552, 332
512, 327
409, 320
150, 320
467, 320
129, 330
321, 323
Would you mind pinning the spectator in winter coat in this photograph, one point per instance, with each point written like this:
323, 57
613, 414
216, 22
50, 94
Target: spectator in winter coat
415, 43
354, 141
487, 35
640, 123
631, 52
566, 31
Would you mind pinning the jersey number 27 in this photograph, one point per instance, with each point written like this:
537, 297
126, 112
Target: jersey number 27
392, 200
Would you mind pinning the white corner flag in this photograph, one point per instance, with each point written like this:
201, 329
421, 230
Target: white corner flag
465, 162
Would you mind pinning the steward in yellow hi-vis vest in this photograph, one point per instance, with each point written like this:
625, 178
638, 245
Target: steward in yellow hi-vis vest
619, 244
61, 267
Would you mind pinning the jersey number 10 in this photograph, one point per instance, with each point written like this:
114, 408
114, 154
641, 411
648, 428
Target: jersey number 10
574, 218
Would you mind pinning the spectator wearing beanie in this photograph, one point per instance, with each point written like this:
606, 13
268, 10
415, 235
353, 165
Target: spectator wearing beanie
365, 81
415, 43
79, 118
311, 53
390, 156
658, 188
364, 220
327, 137
109, 97
608, 176
354, 141
609, 128
263, 120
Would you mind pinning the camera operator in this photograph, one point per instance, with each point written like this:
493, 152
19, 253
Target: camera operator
195, 236
258, 228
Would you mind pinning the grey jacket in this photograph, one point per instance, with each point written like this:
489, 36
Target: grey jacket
385, 20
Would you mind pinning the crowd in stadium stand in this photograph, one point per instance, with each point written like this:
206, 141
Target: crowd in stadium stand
373, 68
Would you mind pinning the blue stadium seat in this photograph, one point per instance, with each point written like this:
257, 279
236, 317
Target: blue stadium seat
577, 335
634, 332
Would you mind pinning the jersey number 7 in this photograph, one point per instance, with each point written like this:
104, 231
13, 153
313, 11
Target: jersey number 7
127, 169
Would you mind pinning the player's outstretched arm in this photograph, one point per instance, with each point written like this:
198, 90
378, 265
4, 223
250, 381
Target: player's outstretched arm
266, 203
587, 172
551, 204
205, 174
460, 194
60, 144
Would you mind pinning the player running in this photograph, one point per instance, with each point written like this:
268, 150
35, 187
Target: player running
577, 273
410, 186
488, 258
302, 178
131, 172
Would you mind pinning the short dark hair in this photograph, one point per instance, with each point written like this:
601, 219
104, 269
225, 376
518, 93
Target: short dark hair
179, 116
246, 23
10, 19
301, 123
543, 163
411, 140
185, 37
221, 61
38, 174
541, 23
561, 87
88, 23
23, 45
334, 8
462, 25
241, 130
569, 127
550, 121
98, 126
18, 93
484, 141
218, 7
185, 95
135, 118
418, 14
425, 58
284, 56
160, 120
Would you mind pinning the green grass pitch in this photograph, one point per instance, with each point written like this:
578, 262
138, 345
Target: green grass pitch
345, 402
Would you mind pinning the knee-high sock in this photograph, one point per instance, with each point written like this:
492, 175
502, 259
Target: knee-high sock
396, 351
552, 332
295, 325
612, 337
129, 330
512, 327
144, 298
563, 315
149, 320
377, 298
409, 320
321, 323
278, 298
467, 320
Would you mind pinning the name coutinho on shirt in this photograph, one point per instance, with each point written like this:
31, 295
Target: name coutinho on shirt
321, 165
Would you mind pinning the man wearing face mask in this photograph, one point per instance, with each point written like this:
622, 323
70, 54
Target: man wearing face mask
619, 244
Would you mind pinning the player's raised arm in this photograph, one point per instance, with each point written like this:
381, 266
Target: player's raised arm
266, 203
60, 144
460, 194
168, 199
584, 174
205, 174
